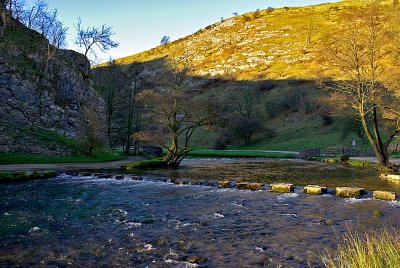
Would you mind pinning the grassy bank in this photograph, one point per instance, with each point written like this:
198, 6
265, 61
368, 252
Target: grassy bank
150, 163
377, 249
25, 176
24, 158
239, 154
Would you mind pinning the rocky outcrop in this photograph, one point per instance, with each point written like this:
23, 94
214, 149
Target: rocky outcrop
41, 102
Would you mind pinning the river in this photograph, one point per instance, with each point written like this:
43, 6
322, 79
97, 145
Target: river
90, 222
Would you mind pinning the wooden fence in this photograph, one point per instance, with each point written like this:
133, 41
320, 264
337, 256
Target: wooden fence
335, 152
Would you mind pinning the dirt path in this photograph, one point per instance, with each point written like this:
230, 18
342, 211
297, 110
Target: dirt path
70, 166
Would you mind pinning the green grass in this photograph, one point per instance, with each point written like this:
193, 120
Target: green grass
239, 154
360, 163
395, 155
376, 249
24, 158
150, 163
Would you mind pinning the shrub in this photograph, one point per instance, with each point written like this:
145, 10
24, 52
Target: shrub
344, 158
266, 85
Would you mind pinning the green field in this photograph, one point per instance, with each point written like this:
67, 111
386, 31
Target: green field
23, 158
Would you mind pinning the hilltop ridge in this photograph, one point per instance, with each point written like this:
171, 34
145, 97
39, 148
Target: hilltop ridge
265, 44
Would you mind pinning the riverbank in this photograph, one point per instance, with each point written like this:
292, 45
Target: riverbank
61, 167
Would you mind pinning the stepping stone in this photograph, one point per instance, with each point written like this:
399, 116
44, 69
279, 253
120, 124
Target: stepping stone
249, 186
224, 184
384, 195
282, 187
392, 177
349, 192
315, 189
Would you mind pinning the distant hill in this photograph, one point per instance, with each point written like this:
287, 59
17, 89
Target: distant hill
273, 51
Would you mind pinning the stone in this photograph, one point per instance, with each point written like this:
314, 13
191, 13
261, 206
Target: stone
314, 189
224, 184
281, 187
349, 192
393, 177
384, 195
34, 107
249, 186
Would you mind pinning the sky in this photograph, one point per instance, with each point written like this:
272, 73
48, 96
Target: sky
139, 25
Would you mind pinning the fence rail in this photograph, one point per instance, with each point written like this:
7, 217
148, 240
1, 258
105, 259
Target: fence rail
335, 152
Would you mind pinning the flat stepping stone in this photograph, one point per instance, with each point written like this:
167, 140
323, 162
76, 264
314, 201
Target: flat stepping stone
281, 187
249, 186
393, 177
384, 195
224, 184
349, 192
315, 190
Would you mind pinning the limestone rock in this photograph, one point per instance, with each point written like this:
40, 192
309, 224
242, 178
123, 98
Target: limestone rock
315, 189
249, 186
282, 187
33, 100
393, 177
349, 192
384, 195
224, 184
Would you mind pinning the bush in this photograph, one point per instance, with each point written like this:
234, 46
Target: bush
266, 85
327, 120
344, 158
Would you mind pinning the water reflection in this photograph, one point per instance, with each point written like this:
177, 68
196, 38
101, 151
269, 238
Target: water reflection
298, 172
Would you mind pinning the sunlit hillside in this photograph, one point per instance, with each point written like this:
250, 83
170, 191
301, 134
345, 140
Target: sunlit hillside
266, 44
274, 51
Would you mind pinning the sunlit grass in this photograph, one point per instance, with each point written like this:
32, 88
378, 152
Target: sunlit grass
374, 249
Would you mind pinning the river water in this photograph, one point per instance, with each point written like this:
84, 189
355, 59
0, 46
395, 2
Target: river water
90, 222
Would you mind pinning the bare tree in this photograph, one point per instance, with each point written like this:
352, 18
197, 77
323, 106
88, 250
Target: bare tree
10, 9
135, 72
308, 27
92, 37
361, 53
92, 130
165, 40
178, 114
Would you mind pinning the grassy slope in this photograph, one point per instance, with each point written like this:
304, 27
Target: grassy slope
263, 46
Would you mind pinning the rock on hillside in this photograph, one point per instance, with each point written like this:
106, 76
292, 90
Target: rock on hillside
39, 109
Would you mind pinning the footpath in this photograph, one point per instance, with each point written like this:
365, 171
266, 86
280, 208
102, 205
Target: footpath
70, 166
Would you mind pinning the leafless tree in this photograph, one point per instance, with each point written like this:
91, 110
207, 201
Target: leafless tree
361, 52
91, 37
178, 114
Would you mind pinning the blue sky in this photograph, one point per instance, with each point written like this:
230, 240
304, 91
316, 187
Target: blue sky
140, 24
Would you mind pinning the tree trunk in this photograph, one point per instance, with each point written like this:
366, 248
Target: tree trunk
375, 140
174, 156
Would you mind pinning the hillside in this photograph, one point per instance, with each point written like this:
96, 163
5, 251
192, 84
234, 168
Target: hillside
272, 51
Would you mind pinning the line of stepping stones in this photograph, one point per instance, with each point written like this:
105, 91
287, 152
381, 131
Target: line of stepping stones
348, 192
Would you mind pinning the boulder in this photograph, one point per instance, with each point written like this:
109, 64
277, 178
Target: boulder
314, 189
384, 195
349, 192
282, 187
